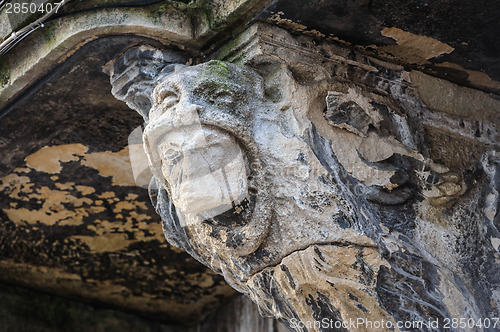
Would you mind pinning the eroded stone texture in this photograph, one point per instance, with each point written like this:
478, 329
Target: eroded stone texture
102, 243
406, 32
307, 176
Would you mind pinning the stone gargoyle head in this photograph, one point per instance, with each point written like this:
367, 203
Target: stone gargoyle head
306, 197
199, 142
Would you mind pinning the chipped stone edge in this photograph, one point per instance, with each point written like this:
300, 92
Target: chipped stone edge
259, 41
253, 42
184, 26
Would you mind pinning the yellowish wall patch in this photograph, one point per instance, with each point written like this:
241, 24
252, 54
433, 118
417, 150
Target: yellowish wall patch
52, 211
85, 190
114, 164
476, 78
69, 203
412, 47
48, 159
110, 242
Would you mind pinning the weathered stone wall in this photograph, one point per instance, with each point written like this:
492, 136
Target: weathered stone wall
359, 162
319, 181
74, 222
25, 310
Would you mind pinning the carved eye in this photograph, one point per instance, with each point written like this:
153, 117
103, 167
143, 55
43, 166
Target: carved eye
172, 157
222, 98
167, 98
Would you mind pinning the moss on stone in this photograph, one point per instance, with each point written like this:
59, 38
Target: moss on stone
48, 34
216, 69
225, 51
216, 73
157, 12
5, 71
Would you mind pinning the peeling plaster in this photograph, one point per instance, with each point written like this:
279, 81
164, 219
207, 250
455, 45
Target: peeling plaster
412, 47
69, 203
48, 159
289, 24
461, 102
114, 164
476, 78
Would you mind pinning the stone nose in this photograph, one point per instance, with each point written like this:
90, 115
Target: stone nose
186, 113
169, 116
190, 108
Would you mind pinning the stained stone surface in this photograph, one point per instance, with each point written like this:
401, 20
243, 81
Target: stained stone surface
27, 310
73, 221
352, 205
452, 39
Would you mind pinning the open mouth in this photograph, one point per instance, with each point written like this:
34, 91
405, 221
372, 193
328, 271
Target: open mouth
258, 259
239, 215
